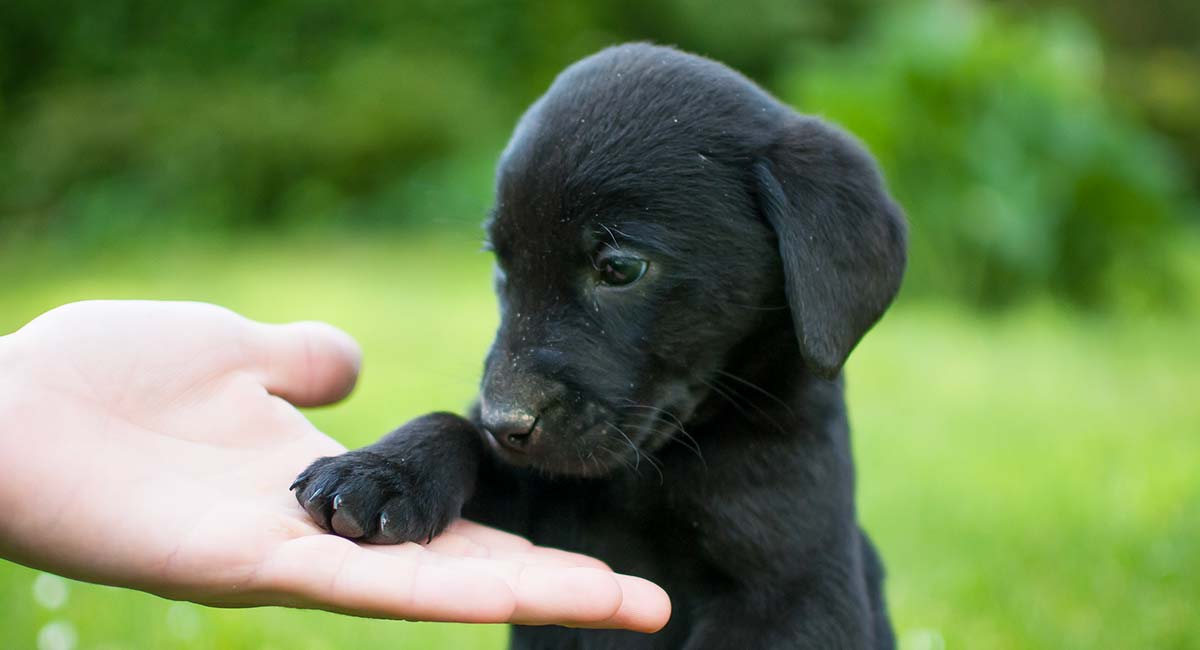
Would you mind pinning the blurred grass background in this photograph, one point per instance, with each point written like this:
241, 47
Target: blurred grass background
1026, 419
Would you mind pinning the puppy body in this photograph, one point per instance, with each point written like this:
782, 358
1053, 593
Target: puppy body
683, 265
757, 545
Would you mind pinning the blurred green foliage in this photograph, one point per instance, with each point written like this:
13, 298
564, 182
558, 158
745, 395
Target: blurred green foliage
1034, 155
997, 137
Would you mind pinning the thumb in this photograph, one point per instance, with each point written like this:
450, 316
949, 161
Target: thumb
307, 363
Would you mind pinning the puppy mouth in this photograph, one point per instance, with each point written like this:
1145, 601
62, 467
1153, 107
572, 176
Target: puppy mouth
603, 447
590, 456
602, 437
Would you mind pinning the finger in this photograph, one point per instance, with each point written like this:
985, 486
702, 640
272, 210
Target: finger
467, 538
551, 557
645, 607
450, 544
308, 363
449, 547
334, 574
542, 594
493, 538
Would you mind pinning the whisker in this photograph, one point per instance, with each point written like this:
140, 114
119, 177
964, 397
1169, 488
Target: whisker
657, 465
669, 414
760, 389
616, 245
687, 440
596, 462
619, 458
716, 389
753, 405
677, 423
637, 453
648, 456
618, 231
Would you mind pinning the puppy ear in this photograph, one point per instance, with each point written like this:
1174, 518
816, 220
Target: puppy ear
841, 237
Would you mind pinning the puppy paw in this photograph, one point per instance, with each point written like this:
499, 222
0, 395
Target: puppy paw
366, 496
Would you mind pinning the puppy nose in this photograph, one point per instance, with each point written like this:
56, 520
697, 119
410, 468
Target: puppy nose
513, 427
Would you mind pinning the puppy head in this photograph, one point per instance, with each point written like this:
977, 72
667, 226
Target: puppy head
653, 210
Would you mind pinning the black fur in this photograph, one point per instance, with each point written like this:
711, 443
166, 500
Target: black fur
688, 427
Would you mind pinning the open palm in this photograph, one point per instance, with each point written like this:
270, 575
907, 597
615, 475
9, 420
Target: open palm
150, 445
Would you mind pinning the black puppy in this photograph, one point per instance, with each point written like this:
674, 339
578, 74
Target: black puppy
682, 265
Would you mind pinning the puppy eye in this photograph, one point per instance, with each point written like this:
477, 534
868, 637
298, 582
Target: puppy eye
621, 271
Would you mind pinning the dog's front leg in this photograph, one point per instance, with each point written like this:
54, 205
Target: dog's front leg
805, 616
408, 486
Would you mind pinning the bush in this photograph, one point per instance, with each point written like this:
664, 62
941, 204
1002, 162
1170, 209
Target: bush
1018, 174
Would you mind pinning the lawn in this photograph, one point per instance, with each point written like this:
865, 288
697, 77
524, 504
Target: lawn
1029, 477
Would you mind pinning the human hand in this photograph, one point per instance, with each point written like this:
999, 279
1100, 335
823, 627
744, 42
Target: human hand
149, 445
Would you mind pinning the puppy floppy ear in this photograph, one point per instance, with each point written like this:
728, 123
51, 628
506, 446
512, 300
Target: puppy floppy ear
841, 237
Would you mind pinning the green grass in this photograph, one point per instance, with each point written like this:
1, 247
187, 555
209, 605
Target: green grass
1029, 478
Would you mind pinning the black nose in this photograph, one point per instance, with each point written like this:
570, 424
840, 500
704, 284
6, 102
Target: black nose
513, 427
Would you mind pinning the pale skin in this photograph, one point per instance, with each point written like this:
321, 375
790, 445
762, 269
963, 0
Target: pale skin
150, 445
